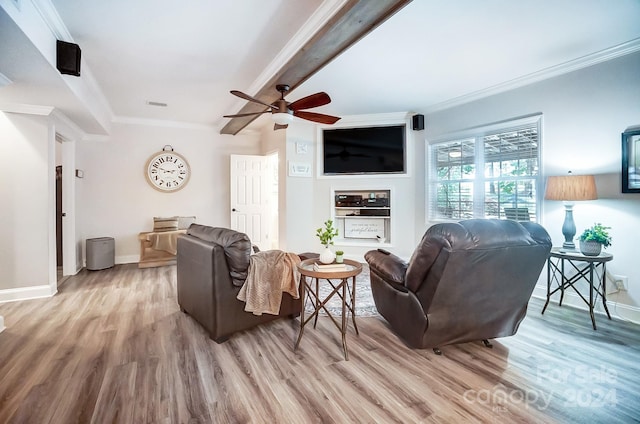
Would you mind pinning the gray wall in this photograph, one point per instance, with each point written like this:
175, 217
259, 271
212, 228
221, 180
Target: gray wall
26, 187
584, 113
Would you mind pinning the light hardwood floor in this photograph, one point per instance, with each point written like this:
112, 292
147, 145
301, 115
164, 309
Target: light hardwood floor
113, 347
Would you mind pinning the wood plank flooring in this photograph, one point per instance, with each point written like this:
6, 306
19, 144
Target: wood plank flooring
113, 347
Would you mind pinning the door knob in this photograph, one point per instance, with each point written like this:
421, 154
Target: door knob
234, 210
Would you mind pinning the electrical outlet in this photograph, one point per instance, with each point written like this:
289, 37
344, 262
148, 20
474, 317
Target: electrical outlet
621, 282
612, 288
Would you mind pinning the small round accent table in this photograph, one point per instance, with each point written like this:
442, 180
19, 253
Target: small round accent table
340, 280
566, 267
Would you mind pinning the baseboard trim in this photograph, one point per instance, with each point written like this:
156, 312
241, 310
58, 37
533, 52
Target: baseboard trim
26, 293
620, 311
127, 259
118, 260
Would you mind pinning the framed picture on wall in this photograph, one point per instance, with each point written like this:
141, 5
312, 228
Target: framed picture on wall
631, 161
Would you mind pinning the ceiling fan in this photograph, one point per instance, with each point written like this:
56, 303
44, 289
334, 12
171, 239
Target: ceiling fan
282, 111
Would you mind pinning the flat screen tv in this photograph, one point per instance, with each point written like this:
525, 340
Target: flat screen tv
364, 150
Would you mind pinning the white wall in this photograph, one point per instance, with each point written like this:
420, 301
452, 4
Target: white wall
276, 142
584, 113
117, 201
309, 200
26, 189
300, 193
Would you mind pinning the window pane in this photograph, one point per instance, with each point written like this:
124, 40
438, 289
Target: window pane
509, 164
455, 160
447, 195
466, 201
511, 153
455, 200
492, 169
514, 199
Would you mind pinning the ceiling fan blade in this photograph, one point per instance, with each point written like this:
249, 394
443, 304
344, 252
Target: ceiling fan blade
240, 115
251, 99
280, 127
316, 117
314, 100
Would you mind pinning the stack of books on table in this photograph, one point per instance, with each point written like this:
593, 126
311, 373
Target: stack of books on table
333, 267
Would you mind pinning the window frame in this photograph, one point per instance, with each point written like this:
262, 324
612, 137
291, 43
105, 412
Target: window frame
479, 180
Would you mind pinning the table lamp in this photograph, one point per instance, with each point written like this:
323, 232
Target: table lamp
570, 188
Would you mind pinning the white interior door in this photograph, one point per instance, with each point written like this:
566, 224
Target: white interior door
250, 197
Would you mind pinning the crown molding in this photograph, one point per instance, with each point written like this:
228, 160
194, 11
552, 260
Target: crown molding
162, 123
53, 20
26, 109
553, 71
327, 9
86, 88
380, 118
97, 138
316, 21
354, 20
63, 124
66, 127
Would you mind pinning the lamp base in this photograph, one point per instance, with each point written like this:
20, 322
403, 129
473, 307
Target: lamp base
568, 227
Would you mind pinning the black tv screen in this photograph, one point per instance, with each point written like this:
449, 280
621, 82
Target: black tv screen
366, 150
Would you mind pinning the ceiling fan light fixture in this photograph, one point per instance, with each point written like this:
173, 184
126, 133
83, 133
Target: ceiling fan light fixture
282, 118
282, 112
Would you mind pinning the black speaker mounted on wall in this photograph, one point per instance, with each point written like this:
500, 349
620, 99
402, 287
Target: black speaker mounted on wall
418, 122
68, 58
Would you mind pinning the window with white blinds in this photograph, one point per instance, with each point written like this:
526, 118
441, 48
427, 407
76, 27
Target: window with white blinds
491, 172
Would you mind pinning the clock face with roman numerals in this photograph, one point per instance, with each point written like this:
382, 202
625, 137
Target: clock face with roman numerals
167, 171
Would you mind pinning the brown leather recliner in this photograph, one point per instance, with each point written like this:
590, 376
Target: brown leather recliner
212, 267
465, 281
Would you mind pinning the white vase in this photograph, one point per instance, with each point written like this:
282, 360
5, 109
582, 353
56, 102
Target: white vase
327, 256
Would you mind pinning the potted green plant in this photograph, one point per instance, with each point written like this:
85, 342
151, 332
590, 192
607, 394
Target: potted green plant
326, 236
339, 256
592, 239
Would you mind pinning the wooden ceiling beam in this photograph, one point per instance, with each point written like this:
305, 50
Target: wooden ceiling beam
351, 23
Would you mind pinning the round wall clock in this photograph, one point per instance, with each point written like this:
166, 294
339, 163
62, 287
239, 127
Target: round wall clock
167, 171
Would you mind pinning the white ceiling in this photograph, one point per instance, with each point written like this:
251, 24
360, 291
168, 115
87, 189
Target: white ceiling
429, 55
186, 54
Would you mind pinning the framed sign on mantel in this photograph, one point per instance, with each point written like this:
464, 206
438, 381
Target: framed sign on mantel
366, 228
631, 161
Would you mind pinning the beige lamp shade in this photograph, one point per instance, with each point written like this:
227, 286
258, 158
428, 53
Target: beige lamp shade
571, 188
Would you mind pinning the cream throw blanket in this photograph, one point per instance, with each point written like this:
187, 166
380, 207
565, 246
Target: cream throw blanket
165, 240
271, 273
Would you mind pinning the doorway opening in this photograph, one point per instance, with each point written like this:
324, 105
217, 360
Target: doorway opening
59, 213
273, 160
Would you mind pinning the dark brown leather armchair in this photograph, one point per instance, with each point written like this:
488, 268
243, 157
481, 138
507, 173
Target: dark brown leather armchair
465, 281
212, 266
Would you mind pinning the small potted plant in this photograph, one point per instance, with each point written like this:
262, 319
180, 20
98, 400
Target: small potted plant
339, 256
592, 239
326, 236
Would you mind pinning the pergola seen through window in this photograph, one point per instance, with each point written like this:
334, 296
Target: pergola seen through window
492, 173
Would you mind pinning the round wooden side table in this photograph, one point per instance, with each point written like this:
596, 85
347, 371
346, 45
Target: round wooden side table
343, 283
